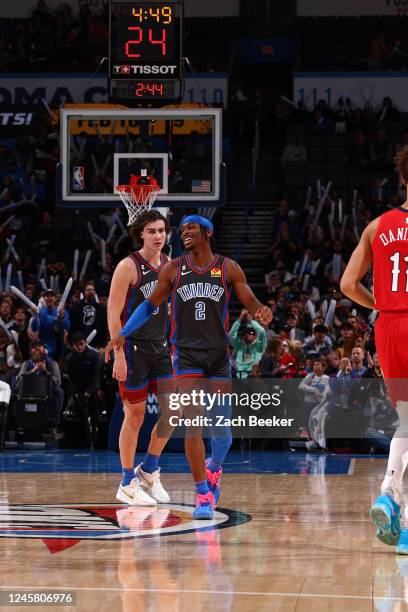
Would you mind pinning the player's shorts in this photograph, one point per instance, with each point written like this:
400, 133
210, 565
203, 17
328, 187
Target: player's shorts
391, 341
146, 368
202, 363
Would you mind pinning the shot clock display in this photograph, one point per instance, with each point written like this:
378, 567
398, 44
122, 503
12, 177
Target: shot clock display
145, 48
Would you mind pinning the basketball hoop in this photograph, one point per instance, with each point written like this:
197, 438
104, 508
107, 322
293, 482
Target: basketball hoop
139, 196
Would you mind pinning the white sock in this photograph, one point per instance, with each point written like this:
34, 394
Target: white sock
398, 457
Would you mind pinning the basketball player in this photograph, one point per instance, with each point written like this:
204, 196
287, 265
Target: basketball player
199, 283
384, 243
144, 360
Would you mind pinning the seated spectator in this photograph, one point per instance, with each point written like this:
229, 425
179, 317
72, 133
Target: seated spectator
269, 363
320, 343
41, 364
295, 151
50, 326
87, 315
287, 361
249, 342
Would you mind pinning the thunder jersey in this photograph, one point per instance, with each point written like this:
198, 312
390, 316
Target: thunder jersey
199, 305
155, 329
390, 261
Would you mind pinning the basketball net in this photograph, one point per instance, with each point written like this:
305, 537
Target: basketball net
139, 196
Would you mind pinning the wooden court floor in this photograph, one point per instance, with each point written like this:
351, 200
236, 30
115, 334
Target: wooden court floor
309, 546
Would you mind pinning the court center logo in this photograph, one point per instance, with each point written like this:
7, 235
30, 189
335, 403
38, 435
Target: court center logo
62, 526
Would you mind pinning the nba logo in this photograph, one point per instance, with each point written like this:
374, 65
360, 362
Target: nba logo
78, 178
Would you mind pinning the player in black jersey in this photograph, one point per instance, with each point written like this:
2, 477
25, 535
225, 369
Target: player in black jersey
199, 283
144, 360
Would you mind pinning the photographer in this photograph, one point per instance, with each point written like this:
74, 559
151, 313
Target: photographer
249, 342
40, 364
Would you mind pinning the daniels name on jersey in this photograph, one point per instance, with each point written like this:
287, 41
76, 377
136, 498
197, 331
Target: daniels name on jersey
392, 236
390, 261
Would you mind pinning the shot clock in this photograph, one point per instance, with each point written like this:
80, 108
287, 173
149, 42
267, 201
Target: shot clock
145, 55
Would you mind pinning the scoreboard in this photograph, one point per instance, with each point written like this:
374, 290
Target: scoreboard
145, 51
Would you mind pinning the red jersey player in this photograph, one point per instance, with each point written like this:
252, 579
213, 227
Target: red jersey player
384, 244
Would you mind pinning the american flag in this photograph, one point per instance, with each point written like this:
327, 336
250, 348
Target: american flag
201, 186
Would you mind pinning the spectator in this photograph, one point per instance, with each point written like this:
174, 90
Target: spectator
295, 333
295, 151
20, 326
332, 368
320, 343
346, 341
249, 342
269, 363
287, 361
84, 368
6, 313
41, 364
358, 369
315, 387
88, 315
387, 112
50, 326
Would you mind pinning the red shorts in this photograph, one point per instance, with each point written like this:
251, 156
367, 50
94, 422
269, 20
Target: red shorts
391, 340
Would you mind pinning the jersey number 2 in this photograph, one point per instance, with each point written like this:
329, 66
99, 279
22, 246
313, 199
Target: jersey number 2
200, 311
396, 271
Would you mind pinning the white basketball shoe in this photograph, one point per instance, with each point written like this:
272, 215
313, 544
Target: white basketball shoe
134, 495
152, 484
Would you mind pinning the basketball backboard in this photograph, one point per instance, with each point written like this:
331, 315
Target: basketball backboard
101, 148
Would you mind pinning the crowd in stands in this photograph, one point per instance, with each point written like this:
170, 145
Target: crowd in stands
54, 39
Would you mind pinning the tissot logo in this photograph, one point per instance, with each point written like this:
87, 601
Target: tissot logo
63, 526
145, 69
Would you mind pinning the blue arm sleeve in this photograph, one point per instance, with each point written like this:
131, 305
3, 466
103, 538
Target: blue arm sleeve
141, 315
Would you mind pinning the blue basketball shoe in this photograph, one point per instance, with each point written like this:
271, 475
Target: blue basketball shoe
385, 514
204, 509
402, 545
214, 480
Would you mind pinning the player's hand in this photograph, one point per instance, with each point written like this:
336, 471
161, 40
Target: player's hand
120, 368
115, 344
263, 315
